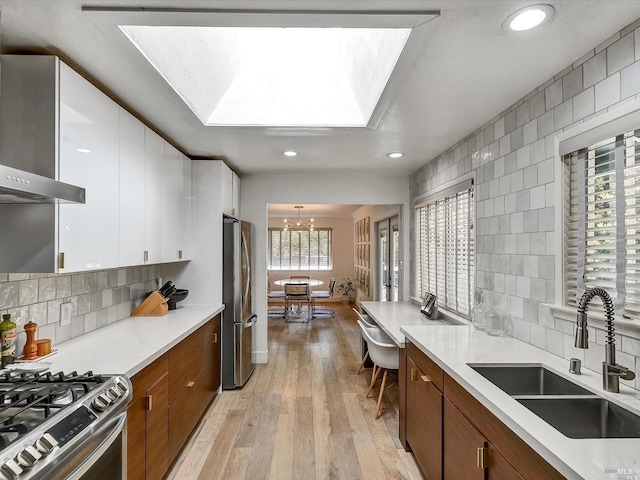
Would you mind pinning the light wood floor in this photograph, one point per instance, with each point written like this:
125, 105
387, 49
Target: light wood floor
302, 415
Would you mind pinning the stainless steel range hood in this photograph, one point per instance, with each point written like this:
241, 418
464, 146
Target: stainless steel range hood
18, 186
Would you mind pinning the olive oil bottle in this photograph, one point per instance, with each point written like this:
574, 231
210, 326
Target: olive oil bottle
7, 339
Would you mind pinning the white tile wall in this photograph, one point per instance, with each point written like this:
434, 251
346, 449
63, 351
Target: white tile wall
512, 157
96, 298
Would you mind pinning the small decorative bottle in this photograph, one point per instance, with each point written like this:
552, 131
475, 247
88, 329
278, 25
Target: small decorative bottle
7, 339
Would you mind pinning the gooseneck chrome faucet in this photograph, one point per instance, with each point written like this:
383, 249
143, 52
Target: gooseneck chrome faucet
611, 371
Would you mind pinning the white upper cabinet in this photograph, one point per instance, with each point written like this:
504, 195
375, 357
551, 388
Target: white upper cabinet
230, 192
132, 197
153, 165
171, 190
55, 123
89, 157
185, 210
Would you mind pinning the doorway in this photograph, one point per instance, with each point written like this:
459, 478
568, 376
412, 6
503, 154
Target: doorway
388, 262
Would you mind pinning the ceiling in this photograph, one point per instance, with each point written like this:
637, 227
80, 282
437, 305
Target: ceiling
287, 210
465, 70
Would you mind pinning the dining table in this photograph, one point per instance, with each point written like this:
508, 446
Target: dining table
312, 282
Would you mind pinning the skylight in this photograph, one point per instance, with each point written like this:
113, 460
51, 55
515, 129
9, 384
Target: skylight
247, 76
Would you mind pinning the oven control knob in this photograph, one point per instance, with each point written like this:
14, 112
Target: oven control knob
11, 469
122, 387
114, 394
28, 457
46, 443
101, 402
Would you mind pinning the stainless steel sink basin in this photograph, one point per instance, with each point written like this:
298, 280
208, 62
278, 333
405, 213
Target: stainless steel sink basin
585, 417
526, 379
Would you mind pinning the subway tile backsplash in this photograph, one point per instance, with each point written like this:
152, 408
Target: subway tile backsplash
97, 298
513, 159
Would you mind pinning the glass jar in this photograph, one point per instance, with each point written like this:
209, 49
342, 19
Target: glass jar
479, 311
496, 322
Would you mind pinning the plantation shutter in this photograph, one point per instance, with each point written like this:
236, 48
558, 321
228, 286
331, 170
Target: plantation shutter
446, 247
602, 226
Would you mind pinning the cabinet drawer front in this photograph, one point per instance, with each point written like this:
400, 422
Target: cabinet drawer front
426, 365
524, 459
185, 361
186, 411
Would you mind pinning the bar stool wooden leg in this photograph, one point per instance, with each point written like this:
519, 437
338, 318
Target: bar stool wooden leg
374, 377
384, 380
366, 355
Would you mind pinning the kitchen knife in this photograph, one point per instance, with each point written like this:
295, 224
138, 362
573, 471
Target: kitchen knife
163, 290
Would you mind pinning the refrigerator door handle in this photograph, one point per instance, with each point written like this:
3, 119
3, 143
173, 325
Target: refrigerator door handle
246, 277
251, 321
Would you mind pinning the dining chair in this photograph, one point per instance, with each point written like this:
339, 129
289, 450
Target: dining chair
316, 294
385, 357
274, 295
366, 319
299, 293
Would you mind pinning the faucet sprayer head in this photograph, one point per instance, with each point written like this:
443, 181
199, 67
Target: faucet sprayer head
582, 334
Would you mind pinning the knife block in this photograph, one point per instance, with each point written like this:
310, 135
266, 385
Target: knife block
154, 305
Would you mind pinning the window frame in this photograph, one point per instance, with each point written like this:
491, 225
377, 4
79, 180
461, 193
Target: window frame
596, 202
300, 266
447, 301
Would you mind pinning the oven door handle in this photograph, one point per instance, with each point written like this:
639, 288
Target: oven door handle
102, 448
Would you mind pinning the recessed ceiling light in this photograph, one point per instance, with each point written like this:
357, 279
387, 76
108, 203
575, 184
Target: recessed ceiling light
528, 18
395, 154
290, 153
83, 150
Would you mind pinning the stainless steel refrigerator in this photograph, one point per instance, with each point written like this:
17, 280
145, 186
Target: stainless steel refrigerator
238, 317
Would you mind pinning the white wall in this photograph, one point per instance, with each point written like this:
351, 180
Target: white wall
327, 188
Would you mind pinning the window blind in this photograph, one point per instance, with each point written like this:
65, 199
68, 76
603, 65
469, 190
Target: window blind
300, 249
446, 248
602, 227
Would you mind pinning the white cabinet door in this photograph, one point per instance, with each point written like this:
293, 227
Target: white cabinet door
227, 191
131, 248
235, 203
172, 186
153, 165
88, 145
185, 210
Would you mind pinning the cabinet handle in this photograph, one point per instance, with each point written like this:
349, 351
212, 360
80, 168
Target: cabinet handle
425, 379
190, 384
215, 338
146, 255
481, 460
149, 401
413, 374
179, 254
61, 260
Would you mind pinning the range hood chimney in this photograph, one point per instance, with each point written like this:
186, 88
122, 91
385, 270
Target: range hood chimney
20, 186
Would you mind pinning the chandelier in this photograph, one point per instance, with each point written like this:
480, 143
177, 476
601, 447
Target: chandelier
298, 224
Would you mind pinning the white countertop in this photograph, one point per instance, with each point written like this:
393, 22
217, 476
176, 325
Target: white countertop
453, 347
390, 316
129, 345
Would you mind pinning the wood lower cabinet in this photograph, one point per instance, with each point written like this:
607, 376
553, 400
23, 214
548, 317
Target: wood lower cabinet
424, 407
147, 428
468, 454
194, 379
169, 398
455, 437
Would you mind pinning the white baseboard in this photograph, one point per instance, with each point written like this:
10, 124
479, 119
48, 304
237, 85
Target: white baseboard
261, 356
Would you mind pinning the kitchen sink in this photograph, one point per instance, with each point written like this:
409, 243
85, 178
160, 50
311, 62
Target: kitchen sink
572, 410
527, 379
585, 417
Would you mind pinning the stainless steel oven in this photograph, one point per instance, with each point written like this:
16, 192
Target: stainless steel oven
61, 426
